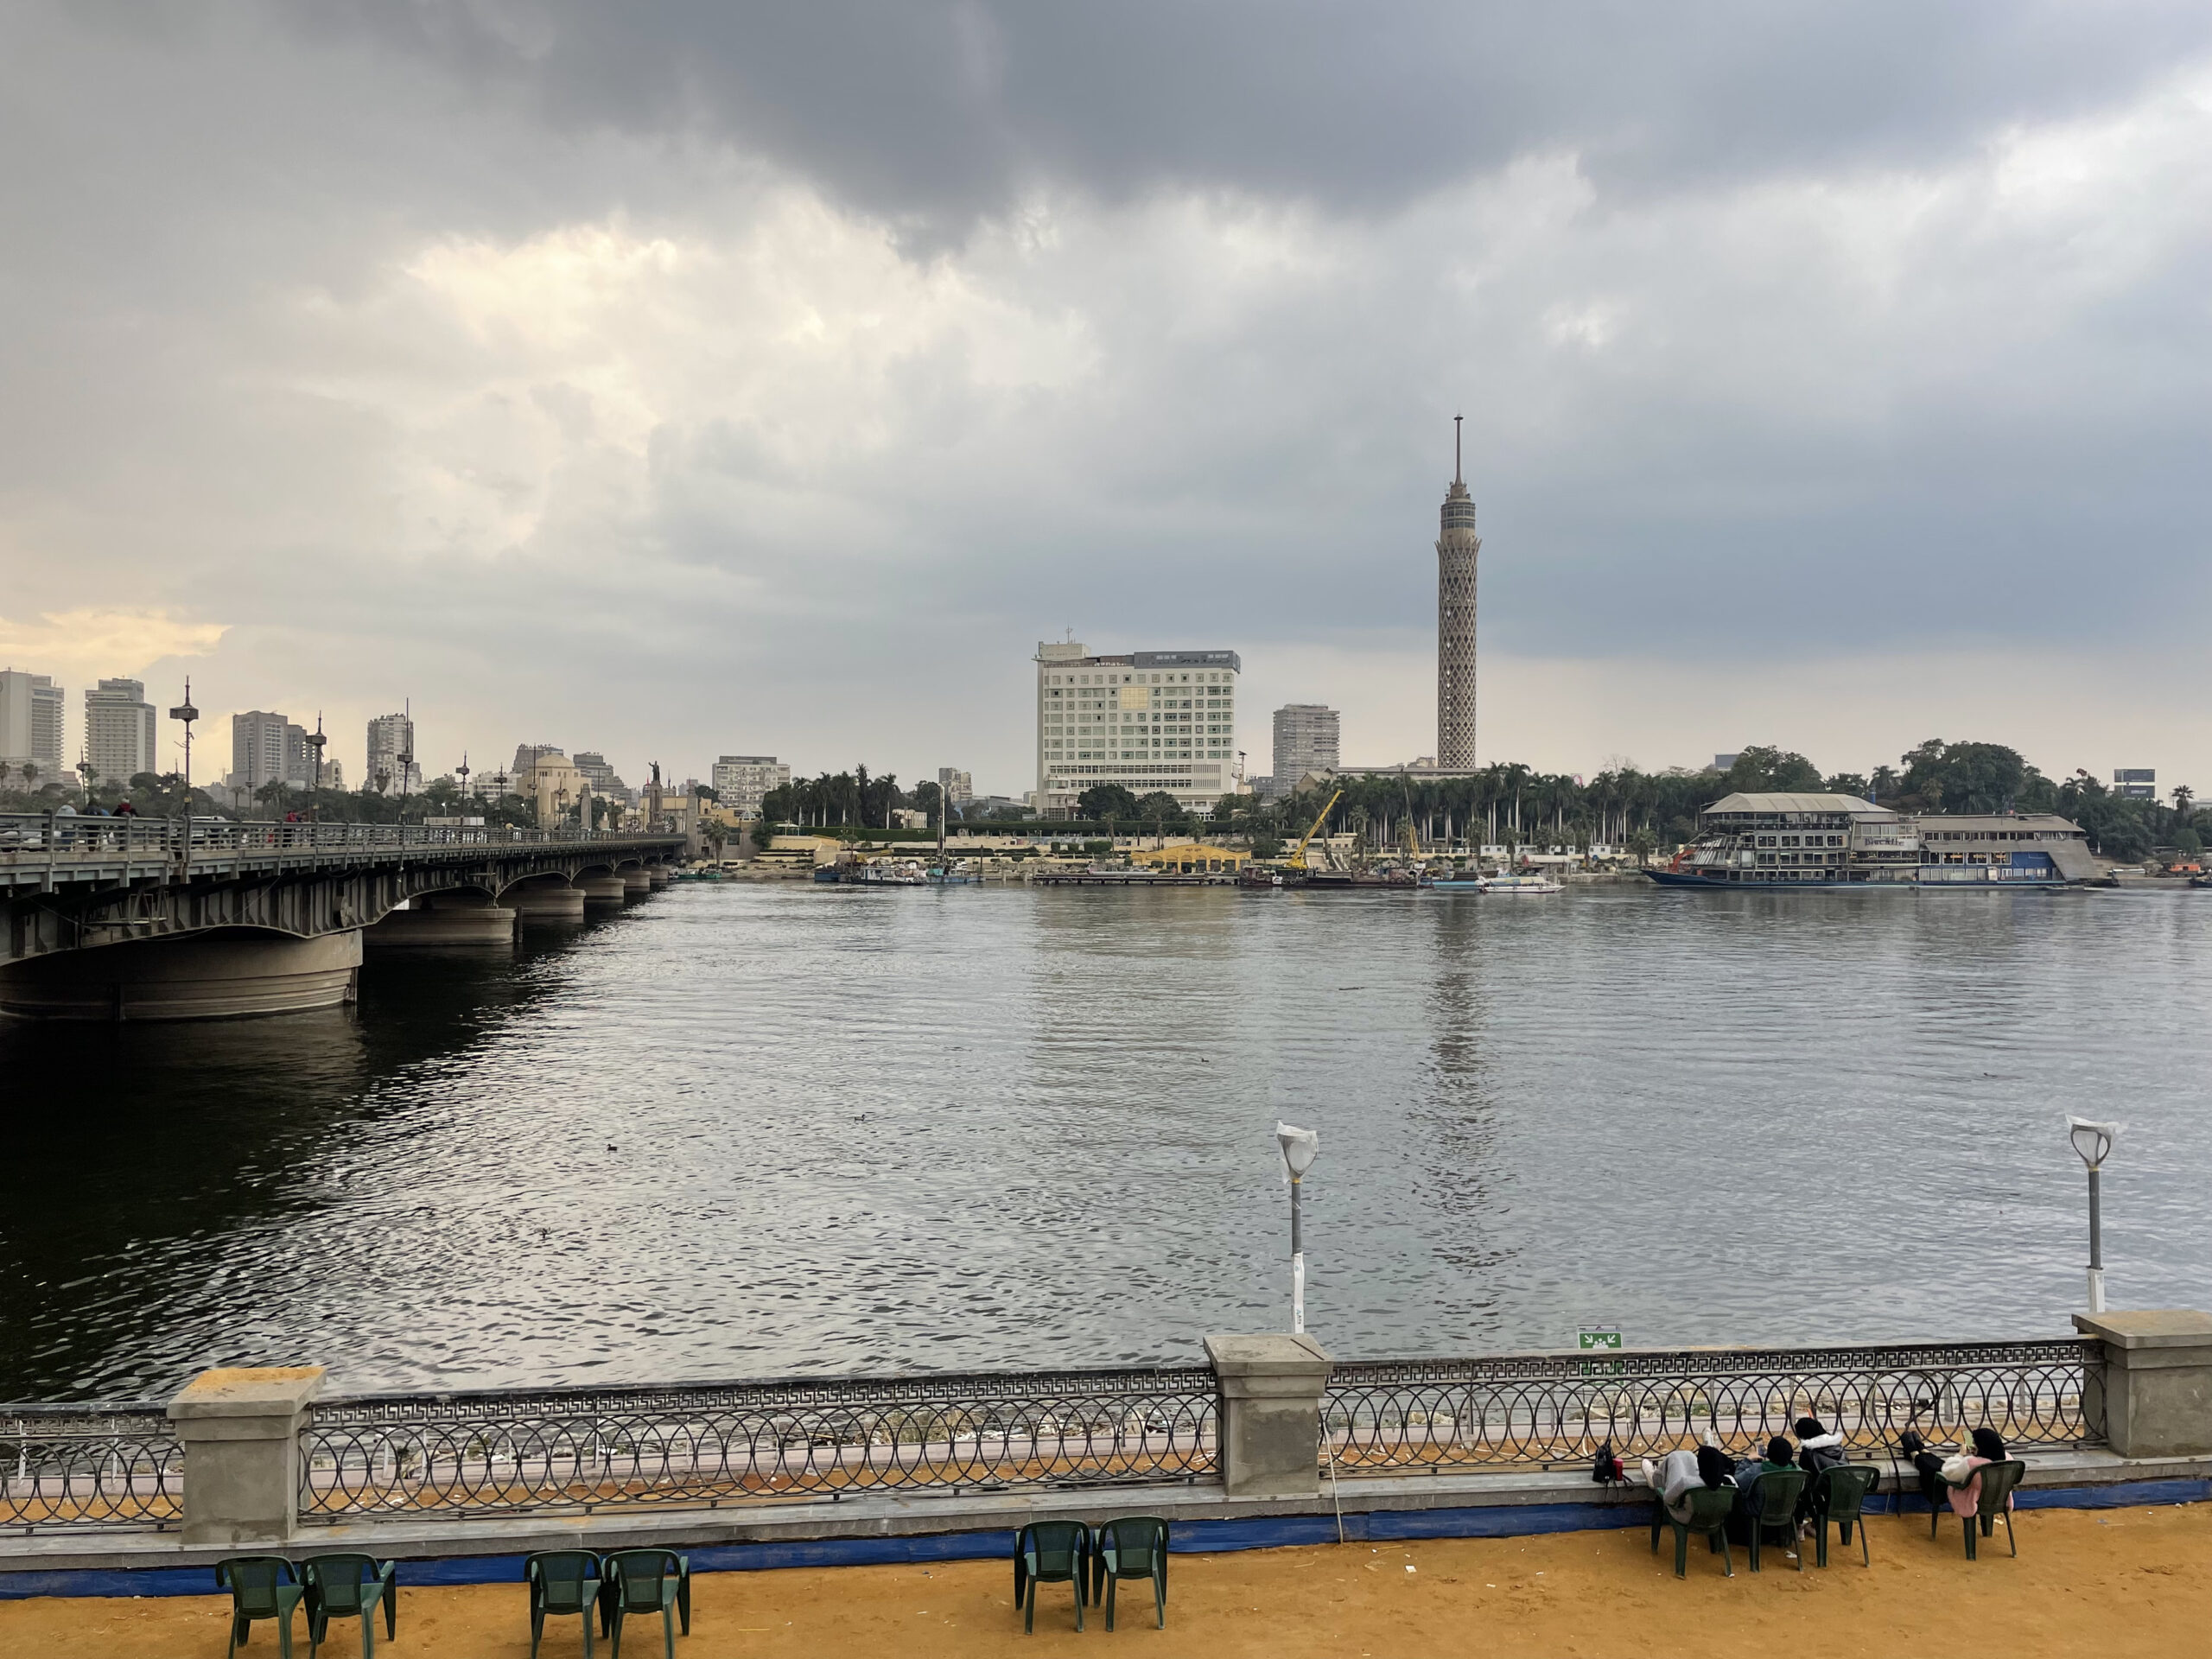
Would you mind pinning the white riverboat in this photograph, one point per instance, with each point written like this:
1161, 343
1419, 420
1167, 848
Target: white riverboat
1796, 841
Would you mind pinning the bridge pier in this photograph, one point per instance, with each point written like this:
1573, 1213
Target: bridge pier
657, 875
217, 975
636, 883
546, 899
601, 887
446, 918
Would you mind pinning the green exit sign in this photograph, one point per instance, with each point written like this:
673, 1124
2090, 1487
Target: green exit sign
1590, 1339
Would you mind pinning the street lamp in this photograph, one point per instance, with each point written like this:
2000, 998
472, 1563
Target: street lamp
316, 742
1298, 1147
2092, 1142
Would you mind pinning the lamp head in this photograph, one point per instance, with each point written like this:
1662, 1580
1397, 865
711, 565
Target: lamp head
1298, 1147
2092, 1140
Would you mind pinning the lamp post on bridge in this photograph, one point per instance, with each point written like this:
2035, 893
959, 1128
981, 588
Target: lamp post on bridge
2092, 1142
1300, 1147
316, 742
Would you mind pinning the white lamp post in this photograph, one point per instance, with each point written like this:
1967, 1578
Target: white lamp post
2092, 1141
1298, 1147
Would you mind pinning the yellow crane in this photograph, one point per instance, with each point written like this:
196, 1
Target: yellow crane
1297, 861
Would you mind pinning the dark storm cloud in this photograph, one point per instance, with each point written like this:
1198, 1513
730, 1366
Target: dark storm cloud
934, 111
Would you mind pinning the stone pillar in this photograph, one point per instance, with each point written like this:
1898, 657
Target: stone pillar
546, 899
240, 1430
636, 884
2156, 1385
658, 874
445, 919
601, 887
1270, 1427
224, 974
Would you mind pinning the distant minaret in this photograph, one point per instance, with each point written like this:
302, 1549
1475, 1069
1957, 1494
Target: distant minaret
1456, 548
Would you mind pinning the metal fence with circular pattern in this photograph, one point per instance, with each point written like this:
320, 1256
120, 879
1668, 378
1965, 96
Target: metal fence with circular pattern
579, 1450
89, 1466
1552, 1410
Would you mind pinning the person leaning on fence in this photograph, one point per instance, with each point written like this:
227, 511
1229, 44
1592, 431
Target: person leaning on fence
1678, 1474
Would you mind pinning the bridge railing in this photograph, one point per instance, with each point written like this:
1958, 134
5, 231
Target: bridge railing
62, 836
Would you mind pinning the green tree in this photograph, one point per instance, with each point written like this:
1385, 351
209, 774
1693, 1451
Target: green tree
1846, 783
1110, 804
1761, 771
1160, 812
1941, 776
1643, 843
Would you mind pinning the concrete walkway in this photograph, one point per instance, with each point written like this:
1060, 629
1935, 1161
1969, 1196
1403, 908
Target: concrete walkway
2116, 1581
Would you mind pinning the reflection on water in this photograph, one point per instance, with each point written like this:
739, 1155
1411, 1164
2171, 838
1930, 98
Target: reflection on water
740, 1130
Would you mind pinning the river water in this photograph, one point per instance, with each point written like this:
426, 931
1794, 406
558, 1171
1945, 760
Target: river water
747, 1130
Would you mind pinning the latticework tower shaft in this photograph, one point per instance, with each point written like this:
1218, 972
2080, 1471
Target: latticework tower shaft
1457, 546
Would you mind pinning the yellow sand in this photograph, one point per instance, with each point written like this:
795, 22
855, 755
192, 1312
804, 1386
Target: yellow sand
2108, 1582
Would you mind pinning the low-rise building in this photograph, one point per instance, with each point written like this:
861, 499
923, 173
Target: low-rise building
1192, 858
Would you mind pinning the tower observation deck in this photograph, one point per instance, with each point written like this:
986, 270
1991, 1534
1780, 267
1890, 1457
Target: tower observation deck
1457, 546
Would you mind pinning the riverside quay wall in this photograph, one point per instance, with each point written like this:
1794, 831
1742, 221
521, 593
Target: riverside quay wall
1271, 1441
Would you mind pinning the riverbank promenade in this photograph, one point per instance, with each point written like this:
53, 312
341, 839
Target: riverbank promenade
2122, 1581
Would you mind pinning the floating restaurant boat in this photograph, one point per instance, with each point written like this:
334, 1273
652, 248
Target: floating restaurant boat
1795, 840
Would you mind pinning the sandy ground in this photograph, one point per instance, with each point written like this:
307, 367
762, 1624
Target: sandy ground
2114, 1581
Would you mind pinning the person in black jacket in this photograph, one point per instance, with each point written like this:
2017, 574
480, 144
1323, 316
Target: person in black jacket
1817, 1450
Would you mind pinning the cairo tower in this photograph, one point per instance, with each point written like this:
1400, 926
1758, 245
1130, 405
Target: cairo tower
1457, 544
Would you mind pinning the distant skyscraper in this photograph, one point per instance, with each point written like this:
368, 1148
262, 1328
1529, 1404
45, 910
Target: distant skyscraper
258, 748
959, 787
1305, 740
389, 737
30, 722
119, 730
1457, 544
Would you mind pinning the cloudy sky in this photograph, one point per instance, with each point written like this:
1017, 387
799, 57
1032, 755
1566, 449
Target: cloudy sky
686, 377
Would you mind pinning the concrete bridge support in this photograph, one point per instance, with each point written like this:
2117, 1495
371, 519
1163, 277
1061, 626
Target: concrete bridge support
600, 889
658, 875
445, 919
636, 883
546, 899
215, 975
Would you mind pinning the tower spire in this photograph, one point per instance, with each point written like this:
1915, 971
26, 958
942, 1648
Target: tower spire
1456, 477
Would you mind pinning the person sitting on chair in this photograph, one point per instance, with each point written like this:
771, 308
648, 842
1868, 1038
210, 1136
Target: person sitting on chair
1962, 1472
1778, 1461
1817, 1450
1680, 1472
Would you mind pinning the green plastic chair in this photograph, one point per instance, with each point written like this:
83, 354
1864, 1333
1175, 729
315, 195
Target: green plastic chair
1839, 1494
645, 1581
1709, 1508
1937, 1491
563, 1583
1778, 1492
1998, 1480
1050, 1552
261, 1586
350, 1587
1134, 1547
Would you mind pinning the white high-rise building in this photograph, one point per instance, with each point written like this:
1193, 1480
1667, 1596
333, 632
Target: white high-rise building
30, 725
390, 737
1148, 721
1305, 740
259, 750
120, 731
742, 782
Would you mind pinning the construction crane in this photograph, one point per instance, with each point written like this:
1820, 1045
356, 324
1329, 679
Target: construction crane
1297, 860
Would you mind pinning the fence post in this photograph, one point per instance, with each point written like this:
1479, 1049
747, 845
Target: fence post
1271, 1430
240, 1431
2155, 1386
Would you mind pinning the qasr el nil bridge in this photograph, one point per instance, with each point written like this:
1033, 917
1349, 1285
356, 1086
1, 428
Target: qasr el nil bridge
158, 919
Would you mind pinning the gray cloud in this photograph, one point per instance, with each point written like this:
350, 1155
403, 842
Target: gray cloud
604, 373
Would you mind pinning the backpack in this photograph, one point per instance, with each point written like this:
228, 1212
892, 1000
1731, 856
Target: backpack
1606, 1468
